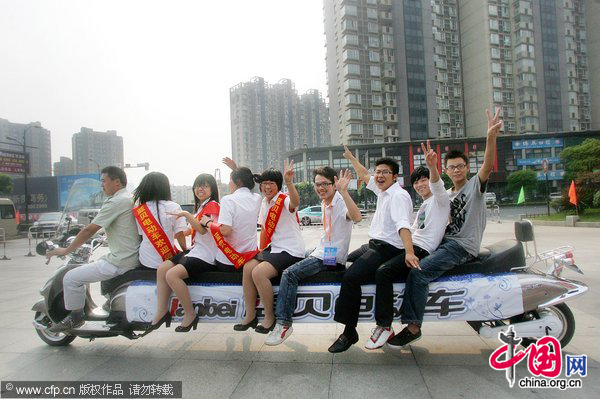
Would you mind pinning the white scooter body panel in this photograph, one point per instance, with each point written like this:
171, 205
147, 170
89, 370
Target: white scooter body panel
464, 297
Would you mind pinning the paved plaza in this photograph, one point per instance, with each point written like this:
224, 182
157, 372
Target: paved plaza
451, 361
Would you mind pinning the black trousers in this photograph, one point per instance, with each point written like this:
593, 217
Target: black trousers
347, 307
385, 276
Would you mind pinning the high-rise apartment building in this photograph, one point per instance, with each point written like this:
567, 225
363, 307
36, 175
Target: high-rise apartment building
267, 120
64, 167
592, 12
92, 150
530, 57
393, 70
37, 140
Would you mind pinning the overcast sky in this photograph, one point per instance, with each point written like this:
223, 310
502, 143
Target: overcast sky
157, 72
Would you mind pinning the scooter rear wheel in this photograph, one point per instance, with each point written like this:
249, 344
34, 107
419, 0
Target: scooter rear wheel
563, 312
50, 338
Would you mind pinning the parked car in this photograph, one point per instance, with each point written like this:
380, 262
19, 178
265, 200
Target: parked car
85, 216
555, 196
47, 222
310, 215
490, 198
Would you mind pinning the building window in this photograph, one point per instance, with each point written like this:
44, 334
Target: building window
373, 27
373, 41
374, 56
377, 129
495, 53
372, 13
352, 69
354, 114
376, 85
353, 99
376, 99
375, 70
351, 54
353, 84
377, 115
354, 128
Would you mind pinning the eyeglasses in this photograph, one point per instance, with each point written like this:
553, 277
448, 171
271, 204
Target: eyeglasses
326, 184
383, 172
452, 168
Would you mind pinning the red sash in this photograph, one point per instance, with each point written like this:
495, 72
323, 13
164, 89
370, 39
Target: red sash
155, 233
271, 221
234, 257
211, 208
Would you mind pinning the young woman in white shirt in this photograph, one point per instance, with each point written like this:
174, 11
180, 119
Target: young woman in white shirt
155, 191
201, 257
285, 248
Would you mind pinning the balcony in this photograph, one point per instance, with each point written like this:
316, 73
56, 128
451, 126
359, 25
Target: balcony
389, 74
385, 16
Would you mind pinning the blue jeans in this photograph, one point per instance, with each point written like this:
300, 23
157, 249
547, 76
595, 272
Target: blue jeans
288, 287
448, 255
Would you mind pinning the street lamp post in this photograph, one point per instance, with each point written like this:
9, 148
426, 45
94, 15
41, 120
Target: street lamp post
26, 166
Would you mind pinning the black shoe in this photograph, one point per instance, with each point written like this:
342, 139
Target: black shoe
244, 327
264, 330
166, 320
343, 343
187, 328
68, 323
404, 338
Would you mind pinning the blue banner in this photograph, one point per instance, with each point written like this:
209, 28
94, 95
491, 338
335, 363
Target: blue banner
537, 143
552, 175
65, 183
537, 161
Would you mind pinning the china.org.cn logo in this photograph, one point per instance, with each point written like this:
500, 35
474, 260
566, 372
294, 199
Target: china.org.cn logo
544, 359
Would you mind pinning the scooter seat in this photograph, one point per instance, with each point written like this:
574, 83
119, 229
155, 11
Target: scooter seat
217, 278
499, 257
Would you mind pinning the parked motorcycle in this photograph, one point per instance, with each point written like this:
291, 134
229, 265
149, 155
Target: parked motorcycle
502, 287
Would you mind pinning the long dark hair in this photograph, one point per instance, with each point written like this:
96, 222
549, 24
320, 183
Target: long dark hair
153, 187
205, 180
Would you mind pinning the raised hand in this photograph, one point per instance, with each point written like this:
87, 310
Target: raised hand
230, 163
431, 157
348, 154
184, 214
288, 171
341, 183
494, 123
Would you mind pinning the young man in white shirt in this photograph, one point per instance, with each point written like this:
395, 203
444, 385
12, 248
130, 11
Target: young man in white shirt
427, 233
462, 237
389, 236
339, 212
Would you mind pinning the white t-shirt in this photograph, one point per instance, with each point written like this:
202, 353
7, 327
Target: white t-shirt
205, 247
240, 211
287, 236
341, 230
432, 217
393, 212
148, 255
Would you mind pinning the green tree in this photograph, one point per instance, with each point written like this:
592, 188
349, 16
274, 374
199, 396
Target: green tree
581, 164
6, 185
526, 178
307, 193
581, 158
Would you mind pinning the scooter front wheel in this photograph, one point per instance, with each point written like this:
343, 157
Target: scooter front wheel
43, 323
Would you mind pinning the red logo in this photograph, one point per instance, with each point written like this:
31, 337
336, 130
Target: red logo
544, 358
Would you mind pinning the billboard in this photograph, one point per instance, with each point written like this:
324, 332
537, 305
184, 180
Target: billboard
66, 182
13, 162
537, 143
43, 194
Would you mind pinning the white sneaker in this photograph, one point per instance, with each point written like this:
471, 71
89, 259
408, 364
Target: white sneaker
379, 337
278, 335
